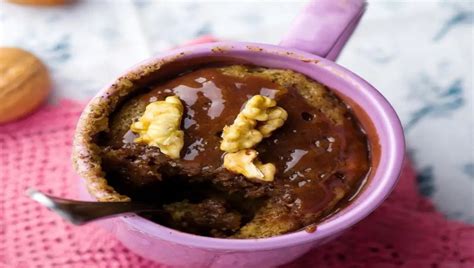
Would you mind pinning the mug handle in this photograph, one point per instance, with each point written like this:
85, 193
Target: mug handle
324, 26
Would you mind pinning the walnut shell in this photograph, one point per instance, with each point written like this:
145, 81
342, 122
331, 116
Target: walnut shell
24, 83
40, 2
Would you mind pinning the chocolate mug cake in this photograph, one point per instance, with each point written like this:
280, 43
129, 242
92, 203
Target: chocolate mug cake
235, 151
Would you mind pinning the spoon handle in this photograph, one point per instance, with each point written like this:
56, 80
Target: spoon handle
82, 212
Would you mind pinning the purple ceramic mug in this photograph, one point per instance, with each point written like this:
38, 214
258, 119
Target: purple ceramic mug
312, 44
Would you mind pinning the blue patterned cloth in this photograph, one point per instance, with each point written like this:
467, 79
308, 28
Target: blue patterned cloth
419, 54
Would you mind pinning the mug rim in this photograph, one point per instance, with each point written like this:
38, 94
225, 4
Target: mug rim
381, 186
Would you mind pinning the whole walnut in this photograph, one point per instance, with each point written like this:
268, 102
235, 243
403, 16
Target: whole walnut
40, 2
24, 83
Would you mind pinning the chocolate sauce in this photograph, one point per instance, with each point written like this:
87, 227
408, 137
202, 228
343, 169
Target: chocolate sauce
313, 155
311, 228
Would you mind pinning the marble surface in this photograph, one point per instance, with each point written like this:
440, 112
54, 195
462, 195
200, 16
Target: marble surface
419, 54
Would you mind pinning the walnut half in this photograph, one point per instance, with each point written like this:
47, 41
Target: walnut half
160, 126
259, 118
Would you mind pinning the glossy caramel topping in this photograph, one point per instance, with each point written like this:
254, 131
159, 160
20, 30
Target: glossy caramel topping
313, 155
212, 100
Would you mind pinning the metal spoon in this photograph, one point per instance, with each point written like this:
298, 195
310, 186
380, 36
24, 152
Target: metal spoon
82, 212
